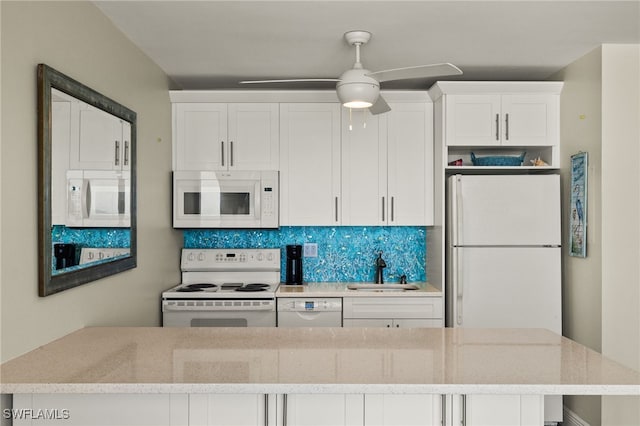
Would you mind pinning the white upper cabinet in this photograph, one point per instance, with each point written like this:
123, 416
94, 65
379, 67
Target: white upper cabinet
309, 164
387, 166
410, 164
489, 119
103, 142
221, 136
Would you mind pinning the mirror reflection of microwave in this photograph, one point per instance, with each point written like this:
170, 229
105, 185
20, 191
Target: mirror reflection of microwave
98, 198
225, 199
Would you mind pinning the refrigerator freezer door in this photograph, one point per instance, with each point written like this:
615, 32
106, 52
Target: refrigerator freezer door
506, 287
504, 210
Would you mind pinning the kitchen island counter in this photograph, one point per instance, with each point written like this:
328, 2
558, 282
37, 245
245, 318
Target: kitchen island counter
316, 360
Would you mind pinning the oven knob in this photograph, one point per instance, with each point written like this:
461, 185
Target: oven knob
201, 257
260, 257
270, 257
191, 257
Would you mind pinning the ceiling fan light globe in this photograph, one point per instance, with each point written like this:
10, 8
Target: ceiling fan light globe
357, 95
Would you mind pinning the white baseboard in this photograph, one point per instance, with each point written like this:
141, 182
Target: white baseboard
572, 419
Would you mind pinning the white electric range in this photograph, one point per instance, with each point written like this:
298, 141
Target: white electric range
224, 288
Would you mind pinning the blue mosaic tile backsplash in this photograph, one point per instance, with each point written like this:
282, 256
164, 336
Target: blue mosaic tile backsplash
345, 253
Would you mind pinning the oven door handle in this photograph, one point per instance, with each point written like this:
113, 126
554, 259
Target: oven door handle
219, 305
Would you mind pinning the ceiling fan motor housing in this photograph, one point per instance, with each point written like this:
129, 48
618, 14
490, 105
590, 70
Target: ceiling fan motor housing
357, 90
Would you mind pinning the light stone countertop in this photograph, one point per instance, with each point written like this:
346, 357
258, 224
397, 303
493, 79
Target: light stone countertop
335, 289
316, 360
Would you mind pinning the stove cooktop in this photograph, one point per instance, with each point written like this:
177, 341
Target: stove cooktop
227, 290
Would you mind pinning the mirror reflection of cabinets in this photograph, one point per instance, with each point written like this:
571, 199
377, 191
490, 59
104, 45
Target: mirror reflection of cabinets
86, 193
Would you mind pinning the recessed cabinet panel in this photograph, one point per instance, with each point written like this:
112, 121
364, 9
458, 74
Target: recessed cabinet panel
530, 120
324, 409
310, 164
473, 120
253, 128
201, 132
406, 410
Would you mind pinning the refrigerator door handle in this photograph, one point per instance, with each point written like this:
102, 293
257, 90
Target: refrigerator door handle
457, 279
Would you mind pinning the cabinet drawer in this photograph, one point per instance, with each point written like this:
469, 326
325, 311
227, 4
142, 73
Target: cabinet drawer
392, 307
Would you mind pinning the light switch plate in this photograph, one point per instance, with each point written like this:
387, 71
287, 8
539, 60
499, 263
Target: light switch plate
310, 250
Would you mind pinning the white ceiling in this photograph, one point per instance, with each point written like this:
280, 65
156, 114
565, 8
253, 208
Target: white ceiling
214, 44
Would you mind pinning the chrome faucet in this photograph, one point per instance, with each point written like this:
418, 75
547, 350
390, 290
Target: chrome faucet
380, 265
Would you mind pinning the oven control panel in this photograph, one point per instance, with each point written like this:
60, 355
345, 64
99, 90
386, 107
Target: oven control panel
230, 259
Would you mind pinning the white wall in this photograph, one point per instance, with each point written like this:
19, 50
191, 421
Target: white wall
621, 220
581, 128
78, 40
600, 114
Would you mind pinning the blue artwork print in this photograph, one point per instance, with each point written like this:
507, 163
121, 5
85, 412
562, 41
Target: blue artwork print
578, 214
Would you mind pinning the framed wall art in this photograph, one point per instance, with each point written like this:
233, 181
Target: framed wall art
578, 209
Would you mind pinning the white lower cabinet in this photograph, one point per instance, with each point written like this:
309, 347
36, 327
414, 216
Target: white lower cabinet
322, 410
496, 410
402, 410
393, 312
101, 409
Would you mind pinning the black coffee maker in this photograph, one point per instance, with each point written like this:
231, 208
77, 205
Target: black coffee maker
65, 255
294, 264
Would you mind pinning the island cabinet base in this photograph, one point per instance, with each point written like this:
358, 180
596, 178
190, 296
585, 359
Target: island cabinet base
277, 410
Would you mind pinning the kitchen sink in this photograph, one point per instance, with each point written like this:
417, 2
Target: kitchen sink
382, 287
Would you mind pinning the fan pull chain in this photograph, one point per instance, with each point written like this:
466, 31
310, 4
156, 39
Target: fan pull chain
364, 118
350, 120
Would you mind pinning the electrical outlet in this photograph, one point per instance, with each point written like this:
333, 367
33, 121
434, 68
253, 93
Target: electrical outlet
310, 250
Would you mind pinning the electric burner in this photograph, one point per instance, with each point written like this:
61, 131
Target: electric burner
248, 289
202, 285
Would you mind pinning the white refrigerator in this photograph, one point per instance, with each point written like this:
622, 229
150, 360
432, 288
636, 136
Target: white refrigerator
503, 255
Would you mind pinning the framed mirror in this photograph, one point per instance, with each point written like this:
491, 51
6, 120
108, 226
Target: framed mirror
86, 184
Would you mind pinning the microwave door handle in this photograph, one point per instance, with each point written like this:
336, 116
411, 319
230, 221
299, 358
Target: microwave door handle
86, 199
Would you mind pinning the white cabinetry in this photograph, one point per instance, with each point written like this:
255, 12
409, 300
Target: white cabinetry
104, 141
309, 164
498, 118
323, 410
402, 409
232, 409
387, 166
396, 312
221, 136
497, 410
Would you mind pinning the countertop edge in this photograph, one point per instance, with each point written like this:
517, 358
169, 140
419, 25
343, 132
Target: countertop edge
281, 388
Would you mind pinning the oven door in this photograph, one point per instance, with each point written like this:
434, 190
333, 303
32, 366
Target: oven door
216, 200
219, 313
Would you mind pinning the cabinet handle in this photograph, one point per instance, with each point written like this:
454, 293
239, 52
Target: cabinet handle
443, 409
497, 127
117, 153
336, 208
222, 152
392, 206
284, 409
383, 209
463, 420
231, 153
126, 153
506, 125
266, 409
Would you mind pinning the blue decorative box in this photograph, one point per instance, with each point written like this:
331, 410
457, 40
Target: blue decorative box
498, 160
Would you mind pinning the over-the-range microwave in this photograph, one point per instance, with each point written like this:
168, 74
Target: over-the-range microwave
225, 199
98, 198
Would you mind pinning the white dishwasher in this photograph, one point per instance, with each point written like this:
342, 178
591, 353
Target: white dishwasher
309, 312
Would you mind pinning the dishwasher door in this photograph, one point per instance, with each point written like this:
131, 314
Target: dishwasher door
309, 312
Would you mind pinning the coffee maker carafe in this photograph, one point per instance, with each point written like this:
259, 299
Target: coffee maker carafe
65, 255
294, 264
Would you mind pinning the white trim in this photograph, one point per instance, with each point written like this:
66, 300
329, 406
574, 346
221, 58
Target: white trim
498, 87
285, 96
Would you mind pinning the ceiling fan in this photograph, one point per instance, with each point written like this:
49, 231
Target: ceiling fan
360, 88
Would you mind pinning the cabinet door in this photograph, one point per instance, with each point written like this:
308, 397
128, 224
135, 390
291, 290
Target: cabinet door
499, 410
100, 143
323, 410
530, 120
472, 119
105, 409
228, 409
253, 136
410, 164
364, 168
406, 410
200, 136
310, 164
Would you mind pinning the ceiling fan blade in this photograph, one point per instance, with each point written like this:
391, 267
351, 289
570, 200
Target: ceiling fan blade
294, 80
379, 106
421, 71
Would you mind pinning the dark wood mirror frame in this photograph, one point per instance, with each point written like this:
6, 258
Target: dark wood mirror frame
48, 78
